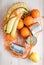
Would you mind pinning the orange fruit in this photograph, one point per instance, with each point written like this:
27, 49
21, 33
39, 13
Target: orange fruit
10, 38
28, 20
25, 32
20, 24
35, 13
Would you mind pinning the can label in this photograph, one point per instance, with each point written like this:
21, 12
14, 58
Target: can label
31, 40
35, 28
17, 48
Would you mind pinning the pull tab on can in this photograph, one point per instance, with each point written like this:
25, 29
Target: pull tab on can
17, 48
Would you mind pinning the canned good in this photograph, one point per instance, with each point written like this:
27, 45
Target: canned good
35, 28
17, 48
31, 40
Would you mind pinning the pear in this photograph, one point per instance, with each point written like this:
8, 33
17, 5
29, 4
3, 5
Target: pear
14, 27
10, 25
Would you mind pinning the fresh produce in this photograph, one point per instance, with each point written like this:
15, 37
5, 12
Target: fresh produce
14, 27
10, 25
25, 32
19, 27
20, 11
35, 57
20, 24
12, 15
10, 38
14, 7
28, 20
5, 27
35, 13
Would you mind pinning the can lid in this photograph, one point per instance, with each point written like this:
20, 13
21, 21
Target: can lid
31, 40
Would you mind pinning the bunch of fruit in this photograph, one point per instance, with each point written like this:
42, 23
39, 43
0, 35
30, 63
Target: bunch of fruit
12, 23
26, 27
15, 22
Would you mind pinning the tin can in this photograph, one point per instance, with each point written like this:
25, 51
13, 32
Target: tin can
35, 28
31, 40
17, 48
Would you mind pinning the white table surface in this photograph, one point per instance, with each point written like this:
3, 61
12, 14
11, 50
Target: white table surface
5, 57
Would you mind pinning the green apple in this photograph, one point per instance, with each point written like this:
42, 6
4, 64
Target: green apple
10, 25
14, 27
